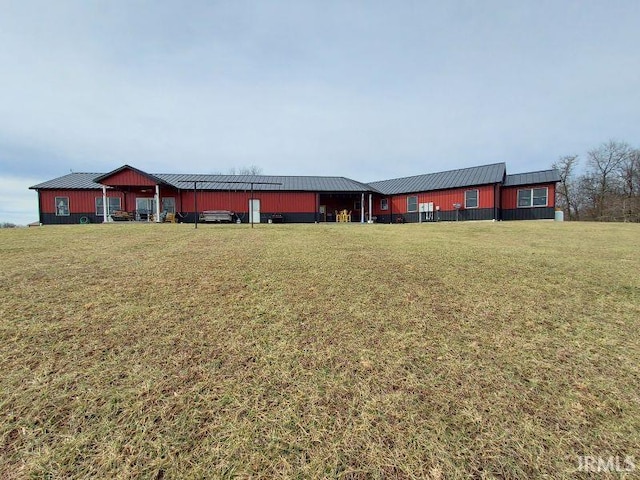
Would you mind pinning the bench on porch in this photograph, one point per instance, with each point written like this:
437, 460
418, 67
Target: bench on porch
122, 216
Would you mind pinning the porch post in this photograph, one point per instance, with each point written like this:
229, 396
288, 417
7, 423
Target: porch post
362, 208
157, 203
104, 204
370, 203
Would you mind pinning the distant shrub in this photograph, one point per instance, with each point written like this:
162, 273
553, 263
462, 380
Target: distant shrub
7, 225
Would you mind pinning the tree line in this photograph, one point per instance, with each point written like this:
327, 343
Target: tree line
605, 188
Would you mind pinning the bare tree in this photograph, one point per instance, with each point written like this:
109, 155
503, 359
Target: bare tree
607, 190
586, 196
567, 189
250, 170
604, 163
629, 172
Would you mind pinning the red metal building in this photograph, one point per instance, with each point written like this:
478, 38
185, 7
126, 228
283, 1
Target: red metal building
477, 193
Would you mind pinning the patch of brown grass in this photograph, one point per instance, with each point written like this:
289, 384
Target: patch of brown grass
471, 350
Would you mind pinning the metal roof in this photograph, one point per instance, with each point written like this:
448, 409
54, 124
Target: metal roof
287, 183
464, 177
530, 178
86, 181
71, 181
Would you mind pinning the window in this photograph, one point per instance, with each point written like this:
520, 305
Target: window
539, 197
384, 204
62, 206
412, 204
113, 204
356, 205
471, 199
169, 204
532, 197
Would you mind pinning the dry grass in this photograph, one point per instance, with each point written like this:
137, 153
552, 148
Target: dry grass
475, 350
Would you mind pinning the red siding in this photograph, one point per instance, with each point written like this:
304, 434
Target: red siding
80, 201
440, 198
128, 178
84, 201
509, 197
271, 202
376, 205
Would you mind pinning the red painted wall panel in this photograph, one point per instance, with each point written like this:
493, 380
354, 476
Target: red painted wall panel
128, 178
510, 195
83, 201
80, 201
442, 198
271, 202
376, 205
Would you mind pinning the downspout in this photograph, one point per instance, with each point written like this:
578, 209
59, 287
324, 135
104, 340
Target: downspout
251, 210
104, 204
195, 202
157, 203
362, 208
40, 214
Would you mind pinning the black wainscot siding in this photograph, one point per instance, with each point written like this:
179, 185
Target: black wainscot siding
538, 213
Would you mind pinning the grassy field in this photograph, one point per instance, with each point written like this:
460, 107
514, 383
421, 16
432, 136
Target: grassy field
470, 350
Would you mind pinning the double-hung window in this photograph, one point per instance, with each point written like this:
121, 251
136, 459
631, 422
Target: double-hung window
384, 204
412, 204
471, 199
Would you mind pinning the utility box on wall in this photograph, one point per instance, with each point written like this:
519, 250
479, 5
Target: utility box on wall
425, 211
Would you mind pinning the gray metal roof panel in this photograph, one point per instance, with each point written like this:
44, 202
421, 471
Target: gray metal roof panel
85, 181
273, 182
531, 178
71, 181
481, 175
464, 177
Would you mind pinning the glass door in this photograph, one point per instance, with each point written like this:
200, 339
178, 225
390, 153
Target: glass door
145, 207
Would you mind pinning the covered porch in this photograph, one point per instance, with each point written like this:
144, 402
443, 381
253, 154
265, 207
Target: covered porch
129, 194
351, 207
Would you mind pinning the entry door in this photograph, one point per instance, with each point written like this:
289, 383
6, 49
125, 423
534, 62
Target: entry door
145, 207
254, 211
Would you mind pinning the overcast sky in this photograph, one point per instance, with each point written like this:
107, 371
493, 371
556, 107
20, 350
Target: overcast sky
369, 90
